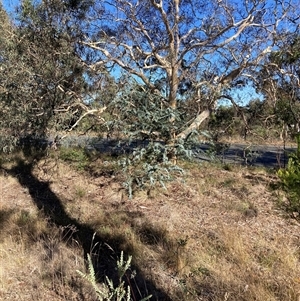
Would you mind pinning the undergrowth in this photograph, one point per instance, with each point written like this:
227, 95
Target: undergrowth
290, 178
77, 156
149, 166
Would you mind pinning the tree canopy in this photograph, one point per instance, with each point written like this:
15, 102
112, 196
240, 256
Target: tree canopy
44, 86
159, 66
282, 88
188, 53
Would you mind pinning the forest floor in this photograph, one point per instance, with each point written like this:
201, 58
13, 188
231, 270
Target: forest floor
217, 232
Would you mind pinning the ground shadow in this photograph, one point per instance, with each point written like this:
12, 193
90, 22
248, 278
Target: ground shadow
51, 206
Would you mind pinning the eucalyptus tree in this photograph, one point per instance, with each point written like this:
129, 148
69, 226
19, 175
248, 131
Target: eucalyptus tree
45, 86
280, 81
7, 54
185, 55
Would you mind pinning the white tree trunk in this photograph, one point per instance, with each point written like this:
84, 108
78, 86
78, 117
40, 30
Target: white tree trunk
195, 124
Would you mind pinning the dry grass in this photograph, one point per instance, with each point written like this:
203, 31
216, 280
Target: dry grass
36, 263
214, 234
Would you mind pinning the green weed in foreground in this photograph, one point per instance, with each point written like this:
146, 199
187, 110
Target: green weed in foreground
290, 178
108, 292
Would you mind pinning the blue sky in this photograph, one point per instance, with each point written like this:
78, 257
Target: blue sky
9, 5
242, 96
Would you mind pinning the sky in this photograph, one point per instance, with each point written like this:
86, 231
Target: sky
9, 5
242, 96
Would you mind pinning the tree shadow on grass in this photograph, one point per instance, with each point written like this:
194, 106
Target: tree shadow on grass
104, 257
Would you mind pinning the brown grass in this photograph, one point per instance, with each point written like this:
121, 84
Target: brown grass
214, 234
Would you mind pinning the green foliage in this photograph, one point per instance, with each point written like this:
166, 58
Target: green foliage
290, 178
108, 292
283, 72
144, 115
43, 80
287, 110
225, 122
150, 165
290, 54
263, 120
76, 156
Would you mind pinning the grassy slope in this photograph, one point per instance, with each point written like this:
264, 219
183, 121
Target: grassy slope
214, 234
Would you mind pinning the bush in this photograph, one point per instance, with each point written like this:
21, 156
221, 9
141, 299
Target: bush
290, 178
150, 165
76, 156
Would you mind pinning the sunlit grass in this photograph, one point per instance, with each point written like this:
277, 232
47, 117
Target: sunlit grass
193, 240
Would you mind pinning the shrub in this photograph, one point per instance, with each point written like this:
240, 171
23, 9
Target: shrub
150, 165
76, 156
290, 178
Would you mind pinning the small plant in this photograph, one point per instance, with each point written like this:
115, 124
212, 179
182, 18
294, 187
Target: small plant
77, 156
249, 155
80, 192
180, 263
148, 166
108, 292
290, 178
227, 167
